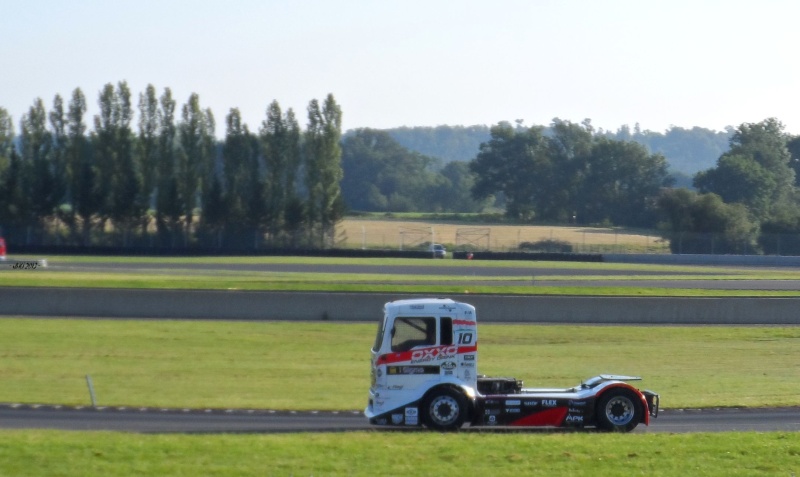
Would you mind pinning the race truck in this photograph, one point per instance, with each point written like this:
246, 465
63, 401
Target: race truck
425, 373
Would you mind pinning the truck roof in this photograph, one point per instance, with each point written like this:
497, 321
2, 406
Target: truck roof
417, 306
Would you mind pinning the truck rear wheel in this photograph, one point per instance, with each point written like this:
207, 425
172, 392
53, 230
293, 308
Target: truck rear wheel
444, 410
619, 410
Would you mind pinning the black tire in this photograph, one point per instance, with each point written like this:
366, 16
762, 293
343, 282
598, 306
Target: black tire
619, 410
444, 409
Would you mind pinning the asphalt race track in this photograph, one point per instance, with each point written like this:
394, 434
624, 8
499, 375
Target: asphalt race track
148, 420
260, 421
534, 275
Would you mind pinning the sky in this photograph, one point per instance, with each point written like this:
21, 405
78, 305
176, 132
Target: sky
392, 63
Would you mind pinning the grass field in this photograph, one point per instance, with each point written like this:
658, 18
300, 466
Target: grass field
205, 363
408, 234
458, 277
289, 366
35, 453
324, 366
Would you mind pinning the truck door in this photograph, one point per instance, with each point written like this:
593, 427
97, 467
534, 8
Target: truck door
414, 338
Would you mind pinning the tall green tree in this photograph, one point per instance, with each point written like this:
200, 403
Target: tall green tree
38, 175
13, 200
780, 232
756, 171
324, 170
104, 146
6, 134
120, 181
6, 138
569, 175
147, 151
703, 223
58, 151
793, 145
509, 163
195, 157
280, 146
243, 182
563, 190
621, 184
275, 148
83, 189
15, 203
168, 205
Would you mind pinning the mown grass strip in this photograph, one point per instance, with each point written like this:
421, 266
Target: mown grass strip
355, 284
456, 277
379, 262
324, 366
34, 453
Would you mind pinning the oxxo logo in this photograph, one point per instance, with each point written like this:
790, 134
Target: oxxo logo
431, 354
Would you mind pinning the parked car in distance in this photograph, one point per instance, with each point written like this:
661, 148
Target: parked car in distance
438, 250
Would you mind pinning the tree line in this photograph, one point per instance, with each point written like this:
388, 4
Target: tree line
687, 150
749, 202
380, 175
166, 181
569, 176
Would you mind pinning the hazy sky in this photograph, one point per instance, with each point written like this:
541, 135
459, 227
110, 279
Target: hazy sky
419, 62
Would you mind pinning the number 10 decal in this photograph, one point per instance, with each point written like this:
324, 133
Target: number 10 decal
465, 338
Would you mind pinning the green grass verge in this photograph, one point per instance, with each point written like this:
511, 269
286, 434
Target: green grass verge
417, 262
457, 278
304, 366
34, 453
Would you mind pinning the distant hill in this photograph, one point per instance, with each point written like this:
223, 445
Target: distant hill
448, 143
688, 151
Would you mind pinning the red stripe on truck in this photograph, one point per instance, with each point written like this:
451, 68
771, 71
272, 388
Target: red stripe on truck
550, 417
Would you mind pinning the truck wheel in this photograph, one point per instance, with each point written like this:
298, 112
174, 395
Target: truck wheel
445, 410
619, 410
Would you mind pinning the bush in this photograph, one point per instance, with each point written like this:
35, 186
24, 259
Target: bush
548, 245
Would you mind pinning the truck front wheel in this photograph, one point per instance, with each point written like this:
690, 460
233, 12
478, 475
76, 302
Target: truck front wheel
619, 410
444, 410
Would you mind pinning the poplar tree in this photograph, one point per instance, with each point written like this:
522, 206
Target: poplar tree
148, 150
194, 157
168, 206
244, 189
6, 136
294, 215
324, 170
58, 152
13, 200
119, 181
37, 174
82, 186
280, 146
104, 148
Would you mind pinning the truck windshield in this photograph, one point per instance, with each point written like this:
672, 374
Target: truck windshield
379, 339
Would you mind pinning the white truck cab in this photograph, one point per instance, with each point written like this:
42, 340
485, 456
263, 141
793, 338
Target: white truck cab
425, 372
